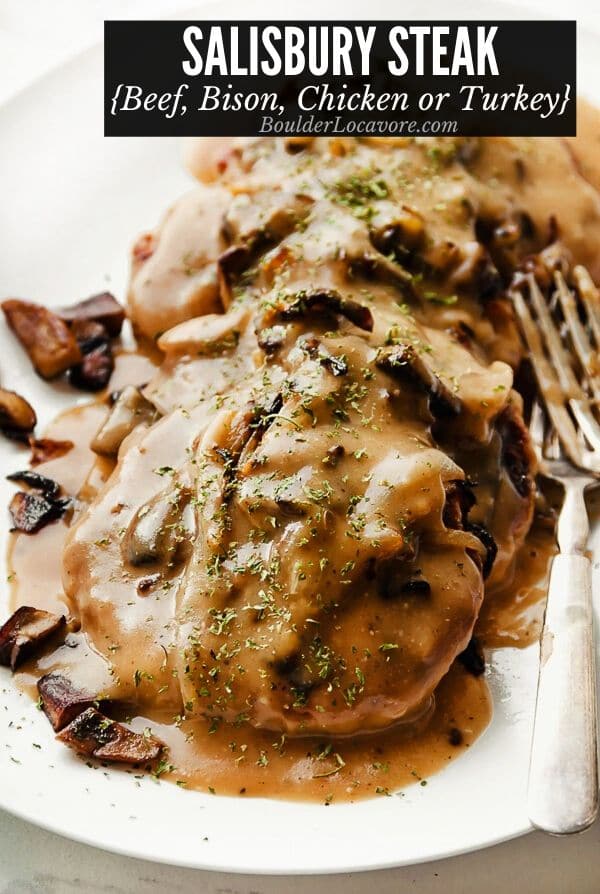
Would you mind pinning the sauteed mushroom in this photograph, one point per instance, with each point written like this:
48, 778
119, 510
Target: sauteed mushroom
25, 632
47, 339
93, 734
17, 416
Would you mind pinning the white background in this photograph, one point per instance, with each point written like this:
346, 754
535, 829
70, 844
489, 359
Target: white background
36, 35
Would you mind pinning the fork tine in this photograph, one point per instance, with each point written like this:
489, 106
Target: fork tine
566, 377
536, 428
552, 448
590, 299
581, 342
573, 393
548, 383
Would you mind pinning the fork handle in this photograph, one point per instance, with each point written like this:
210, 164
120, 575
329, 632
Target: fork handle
563, 774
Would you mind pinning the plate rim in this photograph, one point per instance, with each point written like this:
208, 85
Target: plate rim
239, 868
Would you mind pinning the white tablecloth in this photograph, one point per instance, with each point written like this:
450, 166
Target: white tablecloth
35, 35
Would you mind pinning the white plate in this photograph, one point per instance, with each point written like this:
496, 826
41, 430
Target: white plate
71, 203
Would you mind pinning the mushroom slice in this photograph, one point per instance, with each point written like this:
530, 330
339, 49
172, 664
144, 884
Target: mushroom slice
102, 308
337, 365
31, 512
405, 362
17, 416
159, 532
404, 230
92, 733
24, 632
129, 410
230, 266
95, 369
211, 334
61, 701
326, 301
264, 218
375, 265
47, 486
45, 449
270, 339
51, 345
89, 335
248, 427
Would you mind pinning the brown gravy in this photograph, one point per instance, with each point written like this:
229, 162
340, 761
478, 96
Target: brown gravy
512, 614
247, 761
250, 762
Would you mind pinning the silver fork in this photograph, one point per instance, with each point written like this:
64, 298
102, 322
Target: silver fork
563, 773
